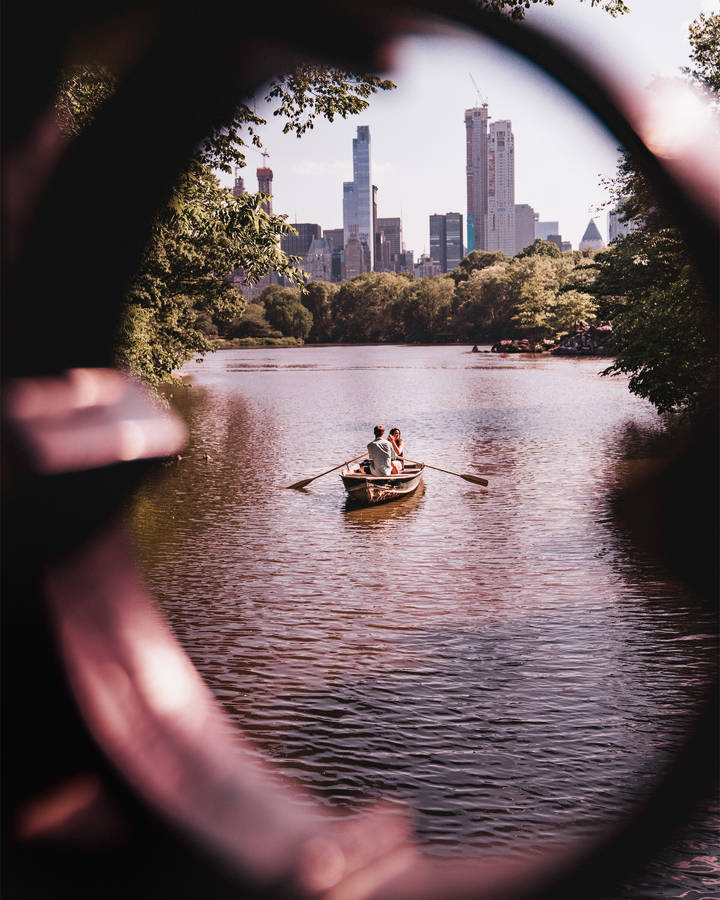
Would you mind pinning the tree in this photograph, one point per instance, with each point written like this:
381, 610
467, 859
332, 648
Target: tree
317, 297
537, 281
666, 346
572, 308
285, 312
252, 323
427, 305
484, 303
539, 247
705, 51
665, 329
516, 8
369, 308
83, 90
204, 232
475, 261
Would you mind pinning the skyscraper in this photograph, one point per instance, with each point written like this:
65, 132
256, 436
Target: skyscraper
524, 226
454, 250
592, 239
476, 148
335, 236
437, 241
377, 239
544, 229
618, 227
298, 244
356, 259
265, 180
446, 240
501, 188
358, 195
392, 229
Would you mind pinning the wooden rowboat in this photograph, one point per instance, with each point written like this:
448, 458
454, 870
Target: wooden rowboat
370, 489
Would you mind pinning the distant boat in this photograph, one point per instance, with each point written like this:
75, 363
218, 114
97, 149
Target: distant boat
370, 489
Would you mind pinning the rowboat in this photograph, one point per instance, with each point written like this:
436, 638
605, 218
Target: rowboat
370, 489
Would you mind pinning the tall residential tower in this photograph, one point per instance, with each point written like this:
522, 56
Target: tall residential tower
476, 148
358, 196
501, 188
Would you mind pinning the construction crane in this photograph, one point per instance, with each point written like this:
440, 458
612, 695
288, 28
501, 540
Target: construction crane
264, 155
483, 100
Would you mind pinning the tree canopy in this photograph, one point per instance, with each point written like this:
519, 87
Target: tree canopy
516, 8
539, 297
665, 328
205, 232
705, 51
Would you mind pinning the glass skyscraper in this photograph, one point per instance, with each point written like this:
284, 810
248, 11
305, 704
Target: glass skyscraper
446, 240
358, 195
476, 149
438, 237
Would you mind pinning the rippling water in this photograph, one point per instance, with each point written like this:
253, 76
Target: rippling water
499, 658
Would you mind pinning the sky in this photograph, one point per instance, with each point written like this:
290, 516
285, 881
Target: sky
417, 131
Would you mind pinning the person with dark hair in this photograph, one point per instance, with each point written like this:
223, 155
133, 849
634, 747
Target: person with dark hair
381, 453
398, 445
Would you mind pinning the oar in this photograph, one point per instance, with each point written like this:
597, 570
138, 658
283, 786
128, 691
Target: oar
306, 481
476, 479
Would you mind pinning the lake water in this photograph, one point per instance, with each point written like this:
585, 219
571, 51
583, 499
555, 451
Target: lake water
500, 658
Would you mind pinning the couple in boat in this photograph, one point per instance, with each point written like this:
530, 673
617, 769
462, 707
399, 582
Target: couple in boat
386, 454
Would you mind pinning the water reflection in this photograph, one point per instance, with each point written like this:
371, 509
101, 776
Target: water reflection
503, 659
382, 514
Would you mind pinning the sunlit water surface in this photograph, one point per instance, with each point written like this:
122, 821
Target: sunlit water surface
498, 658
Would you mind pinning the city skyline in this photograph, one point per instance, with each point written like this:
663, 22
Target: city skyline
418, 132
370, 243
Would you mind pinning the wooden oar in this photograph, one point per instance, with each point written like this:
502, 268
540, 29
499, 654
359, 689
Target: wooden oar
306, 481
476, 479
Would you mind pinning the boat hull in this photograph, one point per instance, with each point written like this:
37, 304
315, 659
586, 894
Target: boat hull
371, 489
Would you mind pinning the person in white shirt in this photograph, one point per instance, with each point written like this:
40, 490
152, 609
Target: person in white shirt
381, 453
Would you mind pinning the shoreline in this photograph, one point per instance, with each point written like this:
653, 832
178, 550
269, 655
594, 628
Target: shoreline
295, 344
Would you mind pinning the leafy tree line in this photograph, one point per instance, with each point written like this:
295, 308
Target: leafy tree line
665, 328
536, 294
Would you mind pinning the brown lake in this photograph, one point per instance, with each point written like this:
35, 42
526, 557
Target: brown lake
499, 658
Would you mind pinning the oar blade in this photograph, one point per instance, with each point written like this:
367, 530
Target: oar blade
299, 484
475, 479
306, 481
